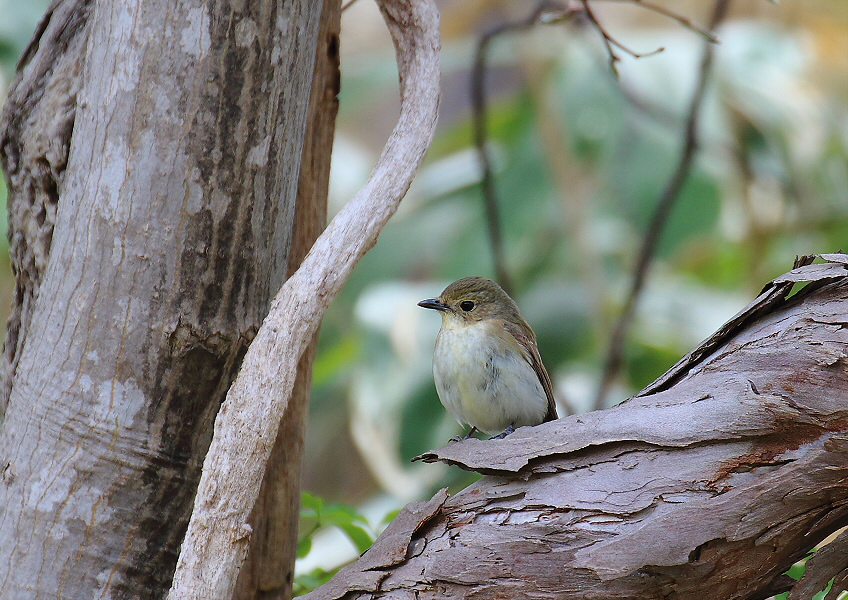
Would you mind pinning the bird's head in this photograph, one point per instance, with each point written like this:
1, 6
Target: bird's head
473, 299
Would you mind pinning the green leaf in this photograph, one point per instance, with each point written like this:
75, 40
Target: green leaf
304, 545
359, 536
797, 570
310, 506
307, 582
821, 595
341, 514
348, 519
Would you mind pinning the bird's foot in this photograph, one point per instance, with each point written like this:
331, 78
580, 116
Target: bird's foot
461, 438
504, 433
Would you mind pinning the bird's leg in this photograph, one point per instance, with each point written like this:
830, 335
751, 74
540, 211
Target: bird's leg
460, 438
504, 433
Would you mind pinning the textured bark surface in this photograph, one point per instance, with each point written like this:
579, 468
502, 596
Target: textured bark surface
715, 479
152, 152
829, 562
218, 535
268, 572
35, 136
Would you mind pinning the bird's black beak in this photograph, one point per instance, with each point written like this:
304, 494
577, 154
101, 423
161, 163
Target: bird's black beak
433, 303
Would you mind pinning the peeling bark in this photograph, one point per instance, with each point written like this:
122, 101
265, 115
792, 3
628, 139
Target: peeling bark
716, 478
152, 152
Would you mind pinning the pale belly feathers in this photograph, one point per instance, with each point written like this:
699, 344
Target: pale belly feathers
484, 386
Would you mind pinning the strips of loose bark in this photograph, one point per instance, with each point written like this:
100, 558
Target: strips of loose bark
718, 481
391, 549
218, 535
642, 419
829, 562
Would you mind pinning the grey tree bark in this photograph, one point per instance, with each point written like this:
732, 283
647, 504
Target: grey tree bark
219, 533
710, 483
268, 572
152, 152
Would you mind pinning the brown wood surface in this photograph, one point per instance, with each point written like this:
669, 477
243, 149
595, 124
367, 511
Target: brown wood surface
709, 484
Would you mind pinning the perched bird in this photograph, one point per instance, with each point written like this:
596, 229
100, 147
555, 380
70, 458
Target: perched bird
486, 364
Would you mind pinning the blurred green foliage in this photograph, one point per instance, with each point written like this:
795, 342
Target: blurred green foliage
315, 514
17, 22
581, 159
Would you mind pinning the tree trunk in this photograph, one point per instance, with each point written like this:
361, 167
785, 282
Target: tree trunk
152, 153
268, 572
219, 533
711, 482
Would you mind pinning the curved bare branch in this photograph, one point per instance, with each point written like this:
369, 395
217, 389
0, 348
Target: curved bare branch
218, 535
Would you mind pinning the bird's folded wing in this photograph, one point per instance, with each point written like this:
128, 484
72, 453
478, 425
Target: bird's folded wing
527, 341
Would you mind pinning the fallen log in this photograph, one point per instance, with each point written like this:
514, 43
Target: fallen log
714, 479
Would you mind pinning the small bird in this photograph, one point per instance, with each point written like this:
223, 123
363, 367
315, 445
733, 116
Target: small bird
486, 364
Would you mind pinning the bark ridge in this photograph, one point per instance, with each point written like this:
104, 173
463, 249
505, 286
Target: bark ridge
718, 476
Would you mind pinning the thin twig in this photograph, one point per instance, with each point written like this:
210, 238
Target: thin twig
613, 57
686, 22
611, 43
543, 12
350, 3
661, 10
661, 213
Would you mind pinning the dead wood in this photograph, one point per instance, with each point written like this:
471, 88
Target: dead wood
717, 477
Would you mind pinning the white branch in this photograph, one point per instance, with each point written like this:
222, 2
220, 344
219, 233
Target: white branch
218, 535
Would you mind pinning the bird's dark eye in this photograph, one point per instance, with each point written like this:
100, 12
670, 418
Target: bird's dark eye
466, 305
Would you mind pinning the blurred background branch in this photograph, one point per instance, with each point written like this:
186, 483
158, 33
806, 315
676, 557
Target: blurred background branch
665, 204
543, 12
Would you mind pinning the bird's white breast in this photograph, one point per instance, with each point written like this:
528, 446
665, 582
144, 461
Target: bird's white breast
484, 380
